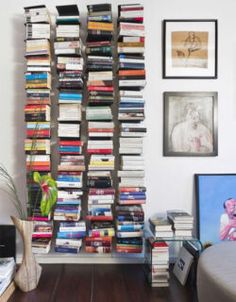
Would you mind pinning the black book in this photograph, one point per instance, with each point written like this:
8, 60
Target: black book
68, 10
27, 8
92, 183
99, 7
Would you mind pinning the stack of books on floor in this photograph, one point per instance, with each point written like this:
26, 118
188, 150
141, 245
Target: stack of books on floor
160, 227
42, 237
37, 117
157, 253
131, 79
7, 271
68, 50
182, 222
100, 129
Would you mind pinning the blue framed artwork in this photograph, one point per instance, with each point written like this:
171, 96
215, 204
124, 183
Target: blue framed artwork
216, 207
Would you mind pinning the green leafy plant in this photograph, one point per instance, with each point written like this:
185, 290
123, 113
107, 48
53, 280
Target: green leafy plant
47, 187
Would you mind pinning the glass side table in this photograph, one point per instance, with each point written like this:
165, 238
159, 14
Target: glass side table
157, 256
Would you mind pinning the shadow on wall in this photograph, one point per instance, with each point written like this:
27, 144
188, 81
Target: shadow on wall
19, 174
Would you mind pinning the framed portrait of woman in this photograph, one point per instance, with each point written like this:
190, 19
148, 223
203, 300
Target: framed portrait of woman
190, 49
190, 124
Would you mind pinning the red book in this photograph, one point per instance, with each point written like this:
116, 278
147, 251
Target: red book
130, 8
157, 243
99, 151
99, 218
98, 239
101, 191
38, 168
38, 133
99, 88
39, 218
42, 235
71, 143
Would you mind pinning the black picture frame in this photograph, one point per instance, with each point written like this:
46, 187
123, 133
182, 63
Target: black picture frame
190, 124
190, 49
212, 192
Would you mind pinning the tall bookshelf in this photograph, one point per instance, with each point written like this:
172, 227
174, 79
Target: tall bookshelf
131, 81
99, 115
70, 65
38, 85
94, 97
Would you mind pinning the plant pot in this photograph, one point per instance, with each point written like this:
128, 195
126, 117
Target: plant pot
29, 272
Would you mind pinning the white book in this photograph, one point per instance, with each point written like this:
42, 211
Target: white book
131, 174
133, 83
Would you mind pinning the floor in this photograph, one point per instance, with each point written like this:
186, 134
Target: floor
101, 283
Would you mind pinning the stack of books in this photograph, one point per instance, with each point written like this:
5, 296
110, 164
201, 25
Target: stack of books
69, 237
131, 72
37, 20
37, 85
70, 64
131, 77
157, 253
38, 114
7, 271
129, 224
100, 146
160, 227
182, 222
100, 128
101, 197
42, 237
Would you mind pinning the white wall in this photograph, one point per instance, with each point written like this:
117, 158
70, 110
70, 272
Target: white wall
169, 179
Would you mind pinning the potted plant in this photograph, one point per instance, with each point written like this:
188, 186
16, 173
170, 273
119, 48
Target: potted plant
27, 276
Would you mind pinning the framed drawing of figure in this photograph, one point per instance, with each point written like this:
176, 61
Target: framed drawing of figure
190, 124
190, 49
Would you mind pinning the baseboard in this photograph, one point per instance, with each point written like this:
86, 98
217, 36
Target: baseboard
84, 258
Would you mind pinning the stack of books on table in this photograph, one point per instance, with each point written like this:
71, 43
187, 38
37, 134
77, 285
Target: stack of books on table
37, 116
131, 80
160, 227
100, 90
157, 253
182, 222
7, 271
70, 64
42, 237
